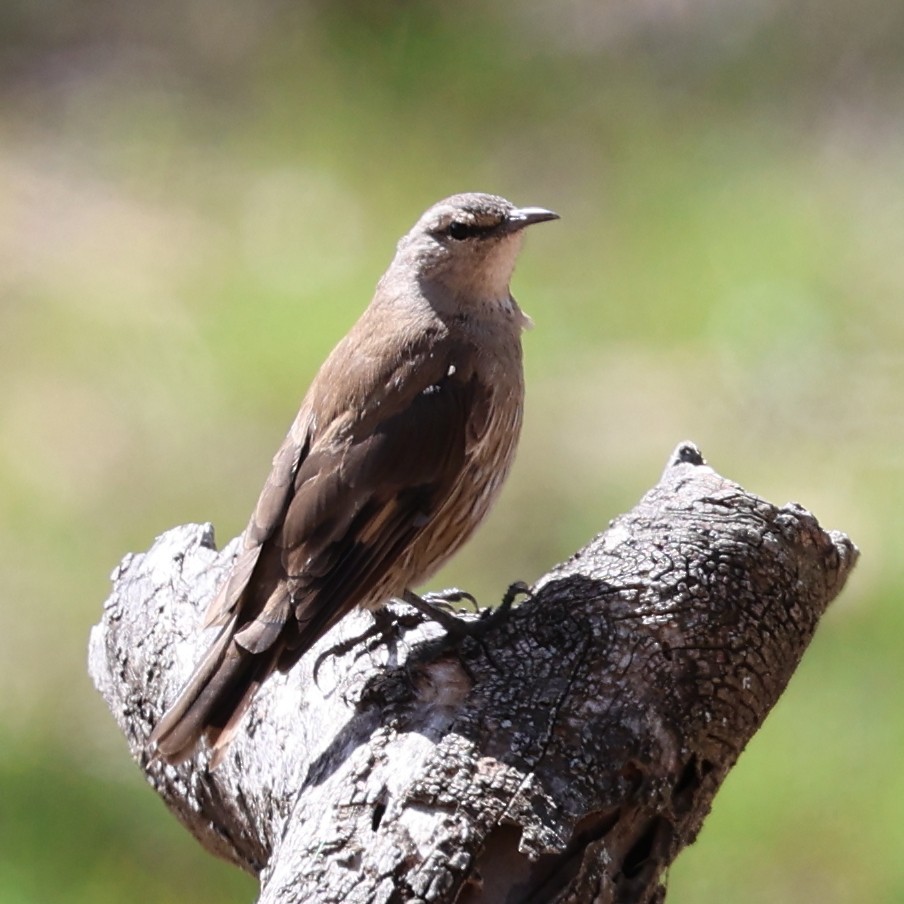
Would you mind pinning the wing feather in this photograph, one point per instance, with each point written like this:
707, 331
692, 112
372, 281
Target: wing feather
401, 474
339, 509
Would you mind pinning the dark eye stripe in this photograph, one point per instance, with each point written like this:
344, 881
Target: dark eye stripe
458, 230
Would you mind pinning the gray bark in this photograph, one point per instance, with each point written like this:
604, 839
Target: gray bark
567, 754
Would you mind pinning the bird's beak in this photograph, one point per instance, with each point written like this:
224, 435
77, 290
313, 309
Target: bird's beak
526, 216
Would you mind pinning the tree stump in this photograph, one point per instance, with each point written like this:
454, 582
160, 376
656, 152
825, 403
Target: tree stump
566, 755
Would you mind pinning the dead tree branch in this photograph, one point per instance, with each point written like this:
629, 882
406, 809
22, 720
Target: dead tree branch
567, 755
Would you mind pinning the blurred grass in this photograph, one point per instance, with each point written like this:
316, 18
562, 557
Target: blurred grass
195, 203
71, 833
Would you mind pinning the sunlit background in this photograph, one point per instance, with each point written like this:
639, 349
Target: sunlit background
196, 199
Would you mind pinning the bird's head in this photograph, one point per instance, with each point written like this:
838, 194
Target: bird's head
467, 245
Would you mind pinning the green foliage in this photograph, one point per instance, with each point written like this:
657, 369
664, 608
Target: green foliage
70, 833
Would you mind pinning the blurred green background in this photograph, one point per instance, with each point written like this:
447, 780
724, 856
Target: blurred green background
196, 199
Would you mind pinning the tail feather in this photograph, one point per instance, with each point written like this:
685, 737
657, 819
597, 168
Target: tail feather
221, 734
218, 691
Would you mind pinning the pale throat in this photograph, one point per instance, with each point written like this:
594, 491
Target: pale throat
486, 281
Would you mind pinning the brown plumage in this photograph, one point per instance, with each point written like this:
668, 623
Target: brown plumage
400, 448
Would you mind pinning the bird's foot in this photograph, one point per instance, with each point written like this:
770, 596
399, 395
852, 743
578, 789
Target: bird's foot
436, 607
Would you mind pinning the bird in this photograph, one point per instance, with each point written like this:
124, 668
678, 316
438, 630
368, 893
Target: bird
399, 450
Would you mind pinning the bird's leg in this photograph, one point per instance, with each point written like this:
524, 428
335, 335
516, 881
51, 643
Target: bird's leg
435, 606
459, 627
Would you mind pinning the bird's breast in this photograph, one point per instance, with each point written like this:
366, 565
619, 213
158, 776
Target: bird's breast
489, 454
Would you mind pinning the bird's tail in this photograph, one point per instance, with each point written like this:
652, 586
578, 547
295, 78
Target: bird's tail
213, 700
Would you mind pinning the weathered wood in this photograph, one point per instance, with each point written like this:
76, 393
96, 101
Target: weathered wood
568, 754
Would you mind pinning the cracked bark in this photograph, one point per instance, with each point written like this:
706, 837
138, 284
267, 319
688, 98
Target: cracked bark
568, 755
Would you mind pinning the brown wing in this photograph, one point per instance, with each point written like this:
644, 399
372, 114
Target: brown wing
265, 520
388, 487
357, 504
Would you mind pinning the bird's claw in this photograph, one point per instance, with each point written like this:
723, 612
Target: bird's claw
445, 599
516, 589
437, 607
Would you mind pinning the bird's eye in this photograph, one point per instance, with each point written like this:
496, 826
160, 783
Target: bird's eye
458, 230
